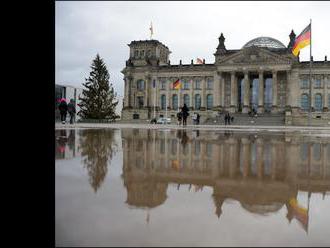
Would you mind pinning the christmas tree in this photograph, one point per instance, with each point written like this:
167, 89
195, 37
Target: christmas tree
98, 99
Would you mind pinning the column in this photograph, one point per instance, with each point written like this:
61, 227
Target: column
192, 92
246, 157
168, 101
203, 96
126, 94
130, 92
146, 92
261, 93
260, 158
222, 91
274, 92
233, 92
246, 100
217, 78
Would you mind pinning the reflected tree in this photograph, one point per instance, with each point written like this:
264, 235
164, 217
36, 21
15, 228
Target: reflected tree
97, 149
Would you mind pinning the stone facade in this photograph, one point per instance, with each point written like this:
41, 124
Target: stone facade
263, 76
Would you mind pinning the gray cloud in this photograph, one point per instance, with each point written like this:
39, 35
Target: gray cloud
189, 29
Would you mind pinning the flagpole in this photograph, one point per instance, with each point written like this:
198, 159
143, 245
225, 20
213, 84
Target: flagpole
167, 85
310, 77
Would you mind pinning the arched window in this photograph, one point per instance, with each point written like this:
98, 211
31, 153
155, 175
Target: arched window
149, 53
142, 53
136, 53
186, 100
140, 84
175, 102
209, 101
304, 102
318, 102
163, 84
197, 101
163, 101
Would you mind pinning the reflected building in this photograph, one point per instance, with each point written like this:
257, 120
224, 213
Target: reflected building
262, 172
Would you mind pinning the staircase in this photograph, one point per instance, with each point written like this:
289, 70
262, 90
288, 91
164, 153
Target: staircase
266, 119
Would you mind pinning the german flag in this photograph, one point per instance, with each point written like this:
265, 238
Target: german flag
177, 84
302, 40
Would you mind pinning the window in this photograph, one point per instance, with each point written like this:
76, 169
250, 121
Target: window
149, 53
209, 101
209, 149
197, 101
163, 84
185, 84
140, 84
318, 102
136, 53
140, 101
304, 102
142, 53
209, 85
197, 84
186, 99
163, 101
175, 102
304, 83
317, 83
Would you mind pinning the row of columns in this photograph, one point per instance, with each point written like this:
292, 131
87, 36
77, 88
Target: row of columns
220, 91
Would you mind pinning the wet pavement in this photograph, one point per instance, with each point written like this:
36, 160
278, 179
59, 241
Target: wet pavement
191, 187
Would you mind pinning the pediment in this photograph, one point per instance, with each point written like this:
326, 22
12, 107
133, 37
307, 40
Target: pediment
254, 55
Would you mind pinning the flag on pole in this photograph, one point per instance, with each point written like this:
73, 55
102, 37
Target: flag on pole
151, 30
300, 213
177, 84
199, 61
302, 40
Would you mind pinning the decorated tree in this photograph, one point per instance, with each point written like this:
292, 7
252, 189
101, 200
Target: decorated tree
98, 100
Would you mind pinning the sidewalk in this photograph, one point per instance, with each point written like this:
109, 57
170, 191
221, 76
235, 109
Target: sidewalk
190, 127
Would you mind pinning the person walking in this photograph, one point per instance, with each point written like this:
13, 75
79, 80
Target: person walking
226, 119
198, 118
71, 110
63, 107
185, 114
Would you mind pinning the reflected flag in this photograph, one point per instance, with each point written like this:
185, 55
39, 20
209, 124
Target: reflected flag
177, 84
299, 212
175, 164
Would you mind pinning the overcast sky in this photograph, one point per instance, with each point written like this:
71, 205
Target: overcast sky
189, 29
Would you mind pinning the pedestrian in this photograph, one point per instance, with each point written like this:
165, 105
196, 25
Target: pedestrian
194, 118
185, 114
226, 119
179, 116
63, 107
198, 118
71, 110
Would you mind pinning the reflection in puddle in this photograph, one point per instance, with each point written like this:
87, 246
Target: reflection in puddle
265, 173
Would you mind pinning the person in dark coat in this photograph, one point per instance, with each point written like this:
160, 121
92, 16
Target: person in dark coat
185, 114
71, 110
198, 118
63, 107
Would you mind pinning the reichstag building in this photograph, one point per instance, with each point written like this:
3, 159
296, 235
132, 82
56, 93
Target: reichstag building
263, 76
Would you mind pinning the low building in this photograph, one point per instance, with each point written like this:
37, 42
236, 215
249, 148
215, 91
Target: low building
68, 92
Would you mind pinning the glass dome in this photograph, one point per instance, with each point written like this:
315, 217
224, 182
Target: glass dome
264, 42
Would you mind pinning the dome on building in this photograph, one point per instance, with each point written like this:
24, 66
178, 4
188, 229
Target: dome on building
262, 209
264, 42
